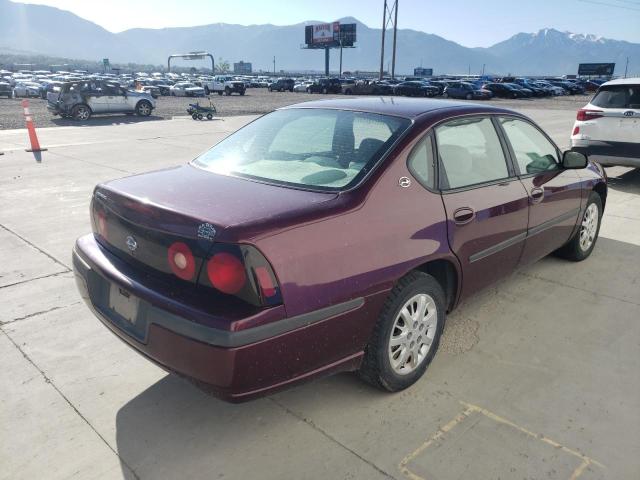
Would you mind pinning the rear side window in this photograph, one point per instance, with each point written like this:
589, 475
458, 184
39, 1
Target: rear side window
617, 96
420, 162
533, 152
470, 153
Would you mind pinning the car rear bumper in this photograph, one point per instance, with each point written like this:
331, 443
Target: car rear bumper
609, 153
234, 363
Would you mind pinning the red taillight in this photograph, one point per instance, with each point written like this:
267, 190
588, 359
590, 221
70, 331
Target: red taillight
576, 130
265, 282
226, 273
102, 224
181, 261
585, 114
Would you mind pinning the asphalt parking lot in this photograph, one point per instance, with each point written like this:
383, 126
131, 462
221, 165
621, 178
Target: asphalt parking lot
536, 377
256, 101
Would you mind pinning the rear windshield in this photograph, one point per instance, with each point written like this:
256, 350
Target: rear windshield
617, 96
316, 148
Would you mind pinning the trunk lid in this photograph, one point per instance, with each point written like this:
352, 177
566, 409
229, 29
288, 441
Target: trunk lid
139, 218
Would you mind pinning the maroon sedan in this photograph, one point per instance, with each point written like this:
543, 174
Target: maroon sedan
330, 236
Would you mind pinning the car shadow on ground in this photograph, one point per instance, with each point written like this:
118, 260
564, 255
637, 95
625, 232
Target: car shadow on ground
627, 182
105, 120
174, 430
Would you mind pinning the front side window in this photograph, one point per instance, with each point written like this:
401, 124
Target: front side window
470, 153
534, 152
617, 96
323, 149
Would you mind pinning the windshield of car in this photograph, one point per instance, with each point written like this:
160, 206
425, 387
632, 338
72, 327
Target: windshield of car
317, 148
617, 96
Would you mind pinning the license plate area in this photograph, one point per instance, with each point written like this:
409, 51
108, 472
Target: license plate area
124, 304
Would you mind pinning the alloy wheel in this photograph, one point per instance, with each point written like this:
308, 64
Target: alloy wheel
589, 227
412, 333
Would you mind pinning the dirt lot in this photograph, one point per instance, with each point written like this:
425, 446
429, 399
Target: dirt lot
256, 101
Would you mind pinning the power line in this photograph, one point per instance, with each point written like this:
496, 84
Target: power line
612, 5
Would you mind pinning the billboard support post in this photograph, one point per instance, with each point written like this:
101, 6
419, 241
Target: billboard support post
326, 61
395, 34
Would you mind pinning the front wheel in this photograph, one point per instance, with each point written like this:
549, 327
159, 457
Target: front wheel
584, 240
406, 335
227, 91
469, 96
445, 95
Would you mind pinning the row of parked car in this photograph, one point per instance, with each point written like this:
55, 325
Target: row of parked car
468, 88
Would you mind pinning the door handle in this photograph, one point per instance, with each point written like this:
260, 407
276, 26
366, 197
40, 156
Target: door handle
463, 215
537, 194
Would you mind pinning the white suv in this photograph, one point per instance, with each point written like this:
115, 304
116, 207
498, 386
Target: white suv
608, 127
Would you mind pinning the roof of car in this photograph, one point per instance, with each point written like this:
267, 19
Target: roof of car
398, 106
622, 81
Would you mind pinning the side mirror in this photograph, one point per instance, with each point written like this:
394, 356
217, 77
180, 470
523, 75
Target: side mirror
572, 159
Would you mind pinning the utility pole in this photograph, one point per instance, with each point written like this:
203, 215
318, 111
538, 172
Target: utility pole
384, 28
340, 72
274, 64
626, 66
483, 69
392, 12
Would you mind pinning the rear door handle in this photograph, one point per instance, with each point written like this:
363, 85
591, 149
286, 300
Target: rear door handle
537, 194
463, 215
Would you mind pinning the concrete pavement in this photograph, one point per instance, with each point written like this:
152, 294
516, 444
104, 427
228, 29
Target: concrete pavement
536, 376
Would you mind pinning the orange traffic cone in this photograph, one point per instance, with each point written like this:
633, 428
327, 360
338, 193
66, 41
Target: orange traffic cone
33, 138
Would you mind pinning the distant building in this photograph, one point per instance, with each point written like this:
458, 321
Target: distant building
242, 68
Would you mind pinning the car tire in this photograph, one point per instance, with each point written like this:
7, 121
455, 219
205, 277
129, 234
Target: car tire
81, 112
445, 95
209, 116
206, 90
194, 116
242, 93
144, 108
469, 96
227, 91
199, 116
325, 91
396, 367
584, 240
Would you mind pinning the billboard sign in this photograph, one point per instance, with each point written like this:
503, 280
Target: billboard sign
423, 72
330, 35
325, 32
604, 69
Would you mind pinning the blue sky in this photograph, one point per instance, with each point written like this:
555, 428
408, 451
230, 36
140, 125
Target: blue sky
472, 23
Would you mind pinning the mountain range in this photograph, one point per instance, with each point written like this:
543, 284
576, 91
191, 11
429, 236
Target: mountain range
50, 31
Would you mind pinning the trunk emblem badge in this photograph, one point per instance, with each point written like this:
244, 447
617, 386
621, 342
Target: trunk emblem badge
132, 245
206, 231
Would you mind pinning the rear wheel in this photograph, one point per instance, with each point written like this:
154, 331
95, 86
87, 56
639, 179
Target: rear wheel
469, 96
81, 112
445, 95
143, 108
324, 90
200, 117
209, 116
227, 91
407, 333
220, 92
584, 241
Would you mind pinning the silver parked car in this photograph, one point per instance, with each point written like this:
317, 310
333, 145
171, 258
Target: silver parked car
80, 100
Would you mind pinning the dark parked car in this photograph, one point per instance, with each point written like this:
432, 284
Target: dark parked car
6, 90
325, 85
536, 90
318, 239
415, 89
526, 93
503, 90
367, 87
466, 90
282, 84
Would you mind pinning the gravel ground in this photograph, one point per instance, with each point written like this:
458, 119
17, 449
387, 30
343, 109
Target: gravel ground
256, 101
